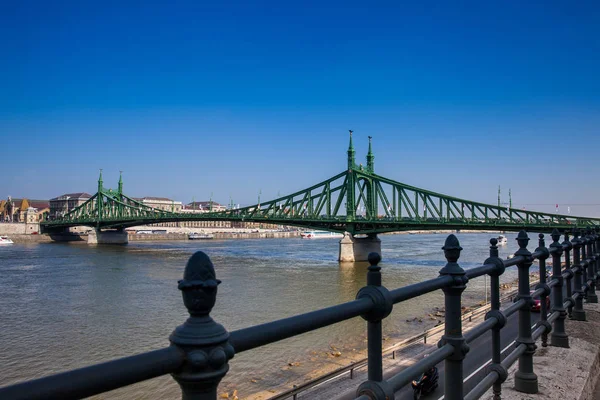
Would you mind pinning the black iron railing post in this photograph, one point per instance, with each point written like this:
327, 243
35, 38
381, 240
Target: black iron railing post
568, 246
558, 337
578, 312
592, 297
496, 313
597, 254
584, 264
525, 379
543, 284
453, 369
204, 341
375, 388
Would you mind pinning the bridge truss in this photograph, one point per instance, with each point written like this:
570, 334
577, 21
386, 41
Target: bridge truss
356, 200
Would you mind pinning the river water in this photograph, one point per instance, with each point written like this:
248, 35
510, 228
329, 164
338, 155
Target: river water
65, 306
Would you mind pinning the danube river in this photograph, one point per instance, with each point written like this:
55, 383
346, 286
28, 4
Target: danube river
65, 306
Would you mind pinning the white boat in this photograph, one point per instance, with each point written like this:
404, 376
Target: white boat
502, 240
200, 236
5, 241
320, 235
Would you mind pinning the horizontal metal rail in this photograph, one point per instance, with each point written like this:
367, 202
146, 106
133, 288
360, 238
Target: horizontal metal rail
399, 380
98, 378
480, 329
483, 385
256, 336
421, 337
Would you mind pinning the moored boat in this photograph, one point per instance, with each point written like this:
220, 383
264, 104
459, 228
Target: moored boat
320, 235
5, 241
200, 236
502, 240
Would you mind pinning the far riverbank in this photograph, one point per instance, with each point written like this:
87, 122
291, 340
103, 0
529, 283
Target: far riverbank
173, 233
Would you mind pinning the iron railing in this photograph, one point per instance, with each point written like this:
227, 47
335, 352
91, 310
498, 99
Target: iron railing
201, 348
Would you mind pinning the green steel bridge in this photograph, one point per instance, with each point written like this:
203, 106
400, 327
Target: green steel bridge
332, 205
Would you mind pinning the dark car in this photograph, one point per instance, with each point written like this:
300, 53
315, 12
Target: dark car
537, 304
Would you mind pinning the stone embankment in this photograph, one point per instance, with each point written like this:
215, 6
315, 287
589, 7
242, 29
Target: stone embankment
445, 231
217, 235
18, 228
30, 238
82, 238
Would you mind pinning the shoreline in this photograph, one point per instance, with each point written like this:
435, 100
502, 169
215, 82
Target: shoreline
181, 234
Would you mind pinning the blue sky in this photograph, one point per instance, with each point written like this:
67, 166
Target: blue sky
193, 98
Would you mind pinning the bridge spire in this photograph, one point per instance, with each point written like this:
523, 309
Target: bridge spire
351, 153
100, 182
509, 199
498, 196
120, 182
370, 158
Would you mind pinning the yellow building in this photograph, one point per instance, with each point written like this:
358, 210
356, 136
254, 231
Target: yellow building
25, 210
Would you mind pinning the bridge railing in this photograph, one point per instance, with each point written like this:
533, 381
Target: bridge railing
201, 348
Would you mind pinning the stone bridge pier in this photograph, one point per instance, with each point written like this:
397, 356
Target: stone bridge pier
357, 248
96, 236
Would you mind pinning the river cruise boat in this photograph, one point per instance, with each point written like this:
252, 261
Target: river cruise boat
502, 240
200, 236
320, 235
5, 241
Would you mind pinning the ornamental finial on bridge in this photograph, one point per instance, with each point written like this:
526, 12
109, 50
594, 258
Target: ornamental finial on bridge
351, 153
370, 157
120, 182
100, 181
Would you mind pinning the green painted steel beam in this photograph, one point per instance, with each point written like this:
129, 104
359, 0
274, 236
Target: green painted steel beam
332, 205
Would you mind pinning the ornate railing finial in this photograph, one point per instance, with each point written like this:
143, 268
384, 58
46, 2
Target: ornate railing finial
452, 251
522, 241
204, 341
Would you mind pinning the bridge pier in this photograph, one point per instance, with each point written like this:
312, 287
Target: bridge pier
96, 236
357, 249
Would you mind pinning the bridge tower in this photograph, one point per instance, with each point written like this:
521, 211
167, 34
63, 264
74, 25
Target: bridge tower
358, 248
120, 190
371, 192
99, 198
97, 236
350, 190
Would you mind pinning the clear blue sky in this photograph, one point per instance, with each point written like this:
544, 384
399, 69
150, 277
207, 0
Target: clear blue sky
189, 98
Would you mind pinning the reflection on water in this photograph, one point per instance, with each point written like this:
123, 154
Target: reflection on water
66, 306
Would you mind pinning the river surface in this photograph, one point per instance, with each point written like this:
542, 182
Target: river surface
65, 306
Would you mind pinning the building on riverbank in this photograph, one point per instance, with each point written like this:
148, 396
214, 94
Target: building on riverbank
24, 210
61, 205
